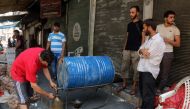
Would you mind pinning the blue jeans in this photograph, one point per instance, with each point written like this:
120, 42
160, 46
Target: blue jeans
54, 65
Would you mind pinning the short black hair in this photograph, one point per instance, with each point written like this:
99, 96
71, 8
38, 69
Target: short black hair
16, 31
56, 24
47, 56
169, 12
150, 22
136, 7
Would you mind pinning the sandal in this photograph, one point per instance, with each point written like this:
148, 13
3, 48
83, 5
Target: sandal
120, 88
132, 92
34, 98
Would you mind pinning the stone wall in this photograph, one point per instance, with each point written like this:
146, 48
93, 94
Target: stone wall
112, 17
78, 18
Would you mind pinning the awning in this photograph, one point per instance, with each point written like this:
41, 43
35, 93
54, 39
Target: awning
14, 5
11, 18
9, 25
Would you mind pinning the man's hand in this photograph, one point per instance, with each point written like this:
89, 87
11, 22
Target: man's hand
145, 53
60, 60
53, 85
51, 96
166, 40
123, 50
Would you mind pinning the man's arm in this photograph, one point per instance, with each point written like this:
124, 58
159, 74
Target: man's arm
47, 75
175, 42
125, 39
63, 50
18, 43
143, 37
143, 52
48, 45
156, 48
41, 91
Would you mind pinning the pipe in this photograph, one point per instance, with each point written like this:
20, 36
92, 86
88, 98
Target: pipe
92, 15
32, 4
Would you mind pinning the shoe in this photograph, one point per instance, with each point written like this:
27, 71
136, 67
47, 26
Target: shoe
34, 99
133, 92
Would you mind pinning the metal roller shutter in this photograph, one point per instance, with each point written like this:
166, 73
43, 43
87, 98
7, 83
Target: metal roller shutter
181, 64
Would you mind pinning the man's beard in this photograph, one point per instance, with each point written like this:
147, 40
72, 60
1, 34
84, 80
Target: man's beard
132, 18
147, 33
172, 23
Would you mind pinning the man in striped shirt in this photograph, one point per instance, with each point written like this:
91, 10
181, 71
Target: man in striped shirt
56, 42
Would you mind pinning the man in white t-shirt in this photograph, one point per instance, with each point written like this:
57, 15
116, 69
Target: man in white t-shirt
171, 35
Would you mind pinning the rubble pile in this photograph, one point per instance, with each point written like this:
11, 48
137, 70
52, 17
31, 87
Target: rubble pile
3, 69
7, 84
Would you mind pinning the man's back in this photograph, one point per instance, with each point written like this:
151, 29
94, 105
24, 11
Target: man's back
134, 35
25, 64
11, 42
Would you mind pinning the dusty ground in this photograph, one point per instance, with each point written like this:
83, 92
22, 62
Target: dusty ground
92, 98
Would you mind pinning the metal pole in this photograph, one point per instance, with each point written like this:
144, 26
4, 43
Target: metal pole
92, 14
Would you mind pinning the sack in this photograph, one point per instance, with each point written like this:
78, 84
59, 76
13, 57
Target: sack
175, 101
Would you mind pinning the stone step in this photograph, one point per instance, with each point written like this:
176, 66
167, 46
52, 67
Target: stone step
125, 94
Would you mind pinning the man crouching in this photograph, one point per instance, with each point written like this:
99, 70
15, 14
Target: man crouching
24, 71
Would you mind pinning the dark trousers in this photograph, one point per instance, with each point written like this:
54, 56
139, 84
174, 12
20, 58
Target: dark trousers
54, 65
165, 68
147, 86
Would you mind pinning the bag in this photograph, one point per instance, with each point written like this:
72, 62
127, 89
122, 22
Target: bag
175, 101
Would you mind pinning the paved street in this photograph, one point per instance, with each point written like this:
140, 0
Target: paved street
92, 98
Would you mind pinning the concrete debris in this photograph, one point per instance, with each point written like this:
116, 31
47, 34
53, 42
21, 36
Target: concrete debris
3, 69
9, 97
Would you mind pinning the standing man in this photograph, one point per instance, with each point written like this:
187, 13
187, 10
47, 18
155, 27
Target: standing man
171, 36
1, 46
151, 53
19, 47
24, 71
132, 43
12, 41
56, 42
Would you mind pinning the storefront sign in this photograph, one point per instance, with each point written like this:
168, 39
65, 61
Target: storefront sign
50, 8
76, 31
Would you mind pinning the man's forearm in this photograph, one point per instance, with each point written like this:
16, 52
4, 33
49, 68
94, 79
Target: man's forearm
140, 52
63, 49
48, 45
175, 44
18, 44
47, 74
143, 38
39, 90
126, 38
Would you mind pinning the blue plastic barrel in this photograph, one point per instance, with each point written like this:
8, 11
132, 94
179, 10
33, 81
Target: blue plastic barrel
85, 71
